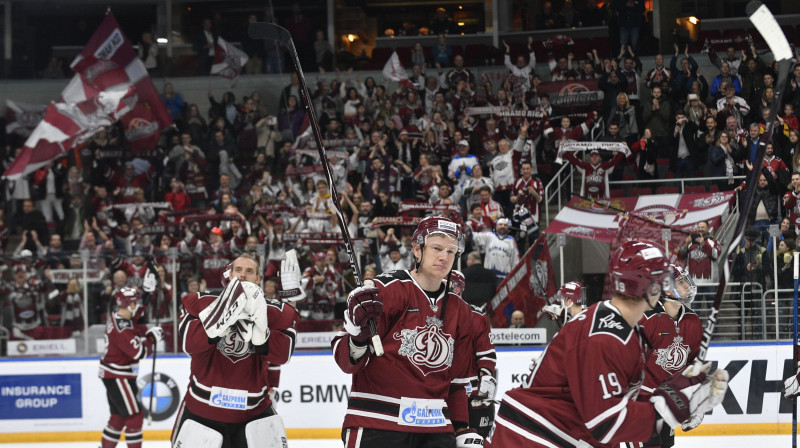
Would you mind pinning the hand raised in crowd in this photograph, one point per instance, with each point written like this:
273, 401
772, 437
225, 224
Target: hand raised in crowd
505, 44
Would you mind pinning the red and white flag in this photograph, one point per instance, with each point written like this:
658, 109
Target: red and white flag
110, 84
22, 118
68, 124
393, 70
228, 60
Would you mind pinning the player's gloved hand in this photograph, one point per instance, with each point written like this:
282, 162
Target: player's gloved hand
149, 282
290, 279
553, 311
363, 304
690, 393
255, 311
469, 439
693, 422
155, 334
791, 387
488, 387
224, 311
273, 396
532, 365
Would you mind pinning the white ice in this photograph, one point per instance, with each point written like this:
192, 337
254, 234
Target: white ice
680, 442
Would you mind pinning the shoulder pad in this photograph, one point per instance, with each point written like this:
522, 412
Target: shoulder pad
388, 277
607, 321
478, 309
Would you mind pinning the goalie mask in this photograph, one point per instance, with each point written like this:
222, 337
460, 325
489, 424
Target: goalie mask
683, 288
639, 269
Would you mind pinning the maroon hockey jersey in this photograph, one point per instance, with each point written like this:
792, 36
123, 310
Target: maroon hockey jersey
484, 358
125, 346
583, 391
228, 381
675, 343
417, 386
595, 178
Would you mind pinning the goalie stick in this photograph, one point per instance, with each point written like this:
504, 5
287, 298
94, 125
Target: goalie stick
763, 20
271, 31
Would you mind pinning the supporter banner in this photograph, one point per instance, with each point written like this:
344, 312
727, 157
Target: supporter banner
576, 146
393, 70
63, 276
205, 218
228, 60
37, 397
391, 221
573, 96
141, 205
526, 288
408, 206
158, 229
332, 143
518, 336
593, 221
42, 347
267, 209
504, 111
22, 118
498, 79
304, 170
315, 154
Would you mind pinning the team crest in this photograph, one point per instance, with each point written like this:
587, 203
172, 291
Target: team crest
428, 348
674, 357
233, 347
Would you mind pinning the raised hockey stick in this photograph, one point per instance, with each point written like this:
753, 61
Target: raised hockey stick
274, 32
151, 267
794, 345
763, 20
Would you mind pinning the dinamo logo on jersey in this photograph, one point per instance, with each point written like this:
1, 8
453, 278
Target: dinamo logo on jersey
428, 348
674, 357
233, 347
166, 395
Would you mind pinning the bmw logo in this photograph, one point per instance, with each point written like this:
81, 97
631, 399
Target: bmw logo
166, 395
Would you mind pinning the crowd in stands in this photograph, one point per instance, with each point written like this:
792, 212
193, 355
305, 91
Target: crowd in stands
237, 175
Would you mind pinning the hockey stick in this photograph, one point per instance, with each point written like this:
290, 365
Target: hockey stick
274, 32
152, 268
794, 346
763, 20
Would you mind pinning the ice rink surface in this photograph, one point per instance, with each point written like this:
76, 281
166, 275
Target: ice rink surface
680, 442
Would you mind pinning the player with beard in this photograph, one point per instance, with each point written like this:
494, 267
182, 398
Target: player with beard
500, 248
413, 396
584, 390
232, 339
674, 332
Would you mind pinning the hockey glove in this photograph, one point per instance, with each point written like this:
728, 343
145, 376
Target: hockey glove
155, 334
290, 279
224, 311
363, 304
791, 387
488, 387
149, 281
693, 422
469, 439
553, 311
688, 394
256, 311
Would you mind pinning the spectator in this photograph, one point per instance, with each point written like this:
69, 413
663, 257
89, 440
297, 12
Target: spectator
595, 173
764, 209
686, 75
227, 109
695, 110
725, 76
657, 116
290, 119
33, 220
254, 48
686, 156
54, 69
148, 53
522, 70
299, 26
625, 115
481, 283
323, 52
630, 19
701, 251
646, 150
748, 263
517, 319
418, 56
731, 105
442, 53
205, 44
500, 248
658, 74
791, 201
721, 162
70, 305
442, 24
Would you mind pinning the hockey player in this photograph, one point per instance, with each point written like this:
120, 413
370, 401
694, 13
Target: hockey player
568, 302
483, 382
583, 392
232, 339
413, 396
501, 249
674, 331
125, 346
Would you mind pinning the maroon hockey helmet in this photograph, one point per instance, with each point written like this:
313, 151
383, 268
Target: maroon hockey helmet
438, 225
457, 282
573, 291
639, 269
127, 296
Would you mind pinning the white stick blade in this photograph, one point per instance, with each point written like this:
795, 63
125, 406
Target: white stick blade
765, 23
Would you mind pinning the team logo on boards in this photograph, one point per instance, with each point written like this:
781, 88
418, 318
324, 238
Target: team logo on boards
429, 348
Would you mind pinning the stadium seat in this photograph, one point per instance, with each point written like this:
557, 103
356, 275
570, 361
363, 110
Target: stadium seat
714, 189
694, 189
627, 177
667, 190
643, 191
617, 193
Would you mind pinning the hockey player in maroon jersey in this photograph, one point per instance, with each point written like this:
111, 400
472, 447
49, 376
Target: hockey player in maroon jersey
583, 391
595, 172
674, 332
413, 396
568, 302
125, 346
232, 338
483, 382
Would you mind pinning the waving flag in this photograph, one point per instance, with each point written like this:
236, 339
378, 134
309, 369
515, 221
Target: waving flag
393, 70
22, 118
228, 60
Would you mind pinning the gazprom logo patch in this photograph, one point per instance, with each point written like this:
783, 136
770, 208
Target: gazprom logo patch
424, 413
448, 225
228, 398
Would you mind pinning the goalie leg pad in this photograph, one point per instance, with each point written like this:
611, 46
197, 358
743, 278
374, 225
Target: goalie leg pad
194, 434
267, 432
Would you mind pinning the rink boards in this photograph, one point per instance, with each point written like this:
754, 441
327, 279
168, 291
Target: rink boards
63, 399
